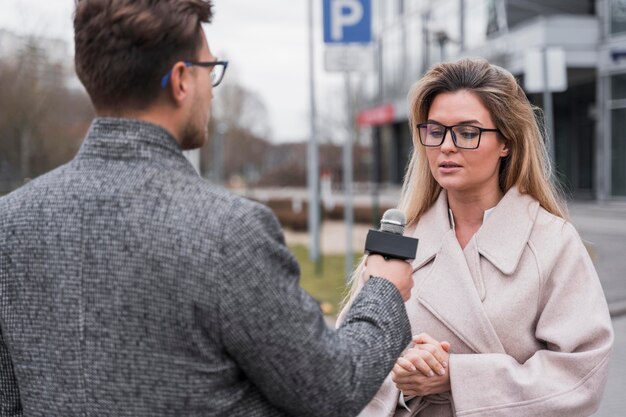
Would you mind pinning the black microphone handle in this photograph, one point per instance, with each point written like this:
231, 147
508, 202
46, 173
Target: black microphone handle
390, 245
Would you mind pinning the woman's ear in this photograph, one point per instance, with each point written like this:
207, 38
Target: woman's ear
505, 151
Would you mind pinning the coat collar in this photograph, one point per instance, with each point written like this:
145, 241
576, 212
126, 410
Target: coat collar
126, 139
513, 217
504, 254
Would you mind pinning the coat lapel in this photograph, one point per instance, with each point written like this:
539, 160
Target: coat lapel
430, 231
448, 291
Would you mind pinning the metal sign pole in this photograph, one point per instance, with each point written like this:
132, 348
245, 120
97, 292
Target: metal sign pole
312, 160
348, 36
347, 178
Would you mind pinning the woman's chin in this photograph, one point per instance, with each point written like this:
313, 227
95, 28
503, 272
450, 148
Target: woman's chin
449, 184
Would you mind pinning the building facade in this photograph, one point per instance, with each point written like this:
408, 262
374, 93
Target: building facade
611, 90
589, 117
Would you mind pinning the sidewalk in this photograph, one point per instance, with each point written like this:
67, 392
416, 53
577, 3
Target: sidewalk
332, 237
603, 228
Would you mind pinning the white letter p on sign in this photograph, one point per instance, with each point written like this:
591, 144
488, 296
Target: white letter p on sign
339, 20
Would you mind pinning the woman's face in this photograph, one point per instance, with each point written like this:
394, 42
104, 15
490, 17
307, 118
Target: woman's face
465, 170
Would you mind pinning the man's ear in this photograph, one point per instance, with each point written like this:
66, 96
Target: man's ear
179, 85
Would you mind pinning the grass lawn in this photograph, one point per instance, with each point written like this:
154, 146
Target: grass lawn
329, 287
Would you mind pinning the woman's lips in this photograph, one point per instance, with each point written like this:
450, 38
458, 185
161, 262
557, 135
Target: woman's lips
449, 167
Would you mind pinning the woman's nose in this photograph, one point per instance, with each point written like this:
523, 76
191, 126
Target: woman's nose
448, 143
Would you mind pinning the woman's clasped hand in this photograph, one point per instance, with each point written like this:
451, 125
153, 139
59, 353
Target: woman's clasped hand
424, 368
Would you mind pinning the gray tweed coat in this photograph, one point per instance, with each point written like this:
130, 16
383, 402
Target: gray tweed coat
129, 286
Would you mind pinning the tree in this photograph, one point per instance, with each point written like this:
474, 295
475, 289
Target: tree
238, 134
42, 119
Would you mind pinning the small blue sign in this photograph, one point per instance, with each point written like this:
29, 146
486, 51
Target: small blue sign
347, 21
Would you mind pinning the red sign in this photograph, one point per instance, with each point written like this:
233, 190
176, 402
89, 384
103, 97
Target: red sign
376, 116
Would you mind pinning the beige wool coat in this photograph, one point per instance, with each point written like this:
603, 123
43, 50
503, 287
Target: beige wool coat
522, 308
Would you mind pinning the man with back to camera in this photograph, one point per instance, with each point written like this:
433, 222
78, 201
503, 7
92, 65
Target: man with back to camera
129, 286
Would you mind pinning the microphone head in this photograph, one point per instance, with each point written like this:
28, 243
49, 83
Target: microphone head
393, 221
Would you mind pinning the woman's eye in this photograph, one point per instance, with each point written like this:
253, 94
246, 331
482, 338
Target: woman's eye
469, 134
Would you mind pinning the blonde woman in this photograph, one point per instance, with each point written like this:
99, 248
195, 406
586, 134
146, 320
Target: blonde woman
511, 317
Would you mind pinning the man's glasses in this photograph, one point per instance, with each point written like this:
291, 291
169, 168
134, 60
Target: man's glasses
463, 136
218, 69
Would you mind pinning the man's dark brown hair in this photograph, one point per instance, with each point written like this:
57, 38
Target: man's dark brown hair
125, 47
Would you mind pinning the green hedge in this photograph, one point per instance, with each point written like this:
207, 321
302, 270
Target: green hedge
298, 220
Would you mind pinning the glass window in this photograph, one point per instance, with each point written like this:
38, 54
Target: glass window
618, 87
618, 136
618, 16
492, 18
618, 152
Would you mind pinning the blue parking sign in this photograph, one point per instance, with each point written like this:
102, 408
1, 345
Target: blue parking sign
347, 21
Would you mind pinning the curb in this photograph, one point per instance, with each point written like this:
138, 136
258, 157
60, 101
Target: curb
617, 309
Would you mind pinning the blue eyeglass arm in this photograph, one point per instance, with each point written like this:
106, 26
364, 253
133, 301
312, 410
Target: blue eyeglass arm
166, 77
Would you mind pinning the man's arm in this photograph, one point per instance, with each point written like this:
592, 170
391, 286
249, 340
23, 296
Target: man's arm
276, 333
10, 405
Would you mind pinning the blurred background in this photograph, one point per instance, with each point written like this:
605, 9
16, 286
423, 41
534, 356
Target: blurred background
313, 108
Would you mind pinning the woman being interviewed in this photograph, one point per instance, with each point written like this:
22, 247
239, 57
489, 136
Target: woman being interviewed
511, 317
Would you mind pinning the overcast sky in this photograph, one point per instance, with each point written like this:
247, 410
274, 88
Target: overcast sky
265, 41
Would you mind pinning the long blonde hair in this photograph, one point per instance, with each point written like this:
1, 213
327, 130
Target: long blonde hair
527, 166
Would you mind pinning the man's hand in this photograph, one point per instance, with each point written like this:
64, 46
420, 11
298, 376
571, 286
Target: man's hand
399, 273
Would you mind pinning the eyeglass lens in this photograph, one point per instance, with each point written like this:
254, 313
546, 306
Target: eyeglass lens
217, 73
433, 134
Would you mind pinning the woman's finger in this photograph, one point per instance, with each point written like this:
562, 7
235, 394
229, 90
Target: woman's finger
406, 364
425, 338
421, 365
398, 373
436, 351
433, 363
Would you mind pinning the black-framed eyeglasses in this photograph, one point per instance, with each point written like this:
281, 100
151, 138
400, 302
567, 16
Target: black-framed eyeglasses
463, 136
218, 69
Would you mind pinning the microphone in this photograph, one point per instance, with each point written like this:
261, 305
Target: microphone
388, 241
